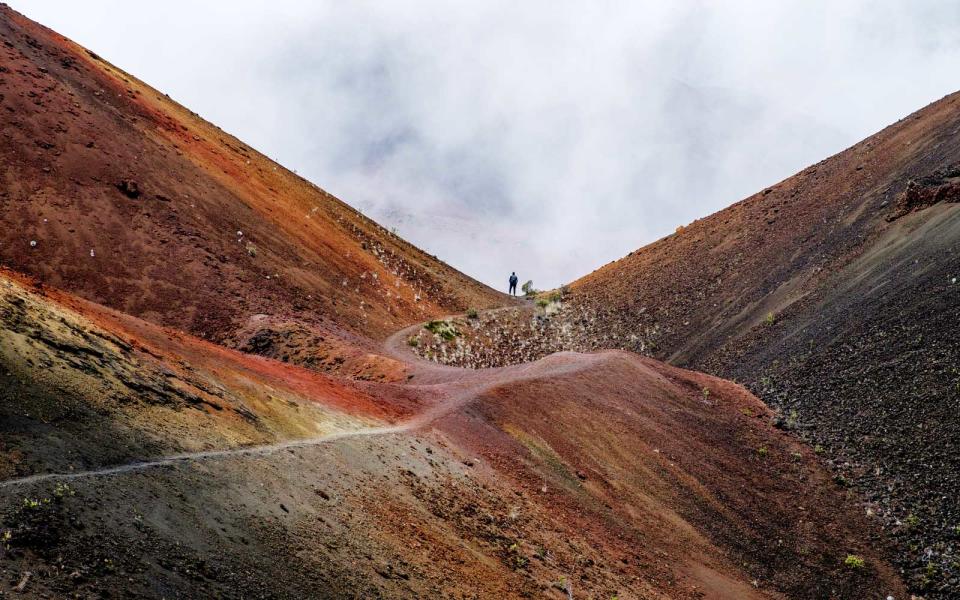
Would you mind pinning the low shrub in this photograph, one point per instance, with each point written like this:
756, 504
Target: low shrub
444, 329
853, 561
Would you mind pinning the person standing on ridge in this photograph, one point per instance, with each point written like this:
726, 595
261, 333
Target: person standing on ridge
513, 283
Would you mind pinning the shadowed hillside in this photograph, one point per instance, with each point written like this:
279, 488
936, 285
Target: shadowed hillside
832, 295
145, 460
167, 298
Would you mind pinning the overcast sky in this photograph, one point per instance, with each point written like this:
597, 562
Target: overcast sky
543, 137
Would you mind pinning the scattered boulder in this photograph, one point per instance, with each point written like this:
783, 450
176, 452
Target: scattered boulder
129, 188
941, 186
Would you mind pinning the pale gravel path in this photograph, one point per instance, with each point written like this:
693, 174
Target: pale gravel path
461, 386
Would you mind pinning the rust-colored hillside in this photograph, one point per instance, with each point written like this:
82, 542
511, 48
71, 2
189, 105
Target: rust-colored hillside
111, 190
145, 462
834, 295
139, 459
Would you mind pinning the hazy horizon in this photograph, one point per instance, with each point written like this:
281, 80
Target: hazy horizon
546, 139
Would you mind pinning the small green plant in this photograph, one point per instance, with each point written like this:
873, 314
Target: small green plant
109, 566
746, 411
762, 451
472, 313
769, 319
517, 559
527, 288
818, 449
852, 561
542, 302
62, 490
413, 342
540, 553
251, 250
444, 329
706, 393
35, 503
793, 419
912, 520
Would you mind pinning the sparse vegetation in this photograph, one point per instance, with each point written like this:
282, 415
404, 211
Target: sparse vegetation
62, 490
769, 319
793, 419
517, 559
35, 503
929, 574
852, 561
472, 313
413, 342
762, 451
444, 329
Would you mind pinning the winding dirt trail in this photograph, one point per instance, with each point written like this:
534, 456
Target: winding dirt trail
456, 386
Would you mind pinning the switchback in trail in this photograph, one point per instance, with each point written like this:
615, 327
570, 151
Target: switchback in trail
452, 395
544, 470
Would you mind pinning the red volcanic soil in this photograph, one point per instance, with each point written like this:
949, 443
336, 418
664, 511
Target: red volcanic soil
139, 459
833, 295
607, 474
720, 277
673, 474
85, 386
136, 203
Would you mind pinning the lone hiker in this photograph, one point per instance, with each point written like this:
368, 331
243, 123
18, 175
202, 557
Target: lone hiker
513, 283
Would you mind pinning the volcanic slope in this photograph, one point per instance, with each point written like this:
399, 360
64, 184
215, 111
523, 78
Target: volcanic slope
141, 459
833, 295
145, 462
114, 192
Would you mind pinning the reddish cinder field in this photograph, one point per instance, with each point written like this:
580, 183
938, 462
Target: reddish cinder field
208, 389
136, 203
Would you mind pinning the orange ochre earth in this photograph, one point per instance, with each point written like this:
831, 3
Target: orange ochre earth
143, 454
